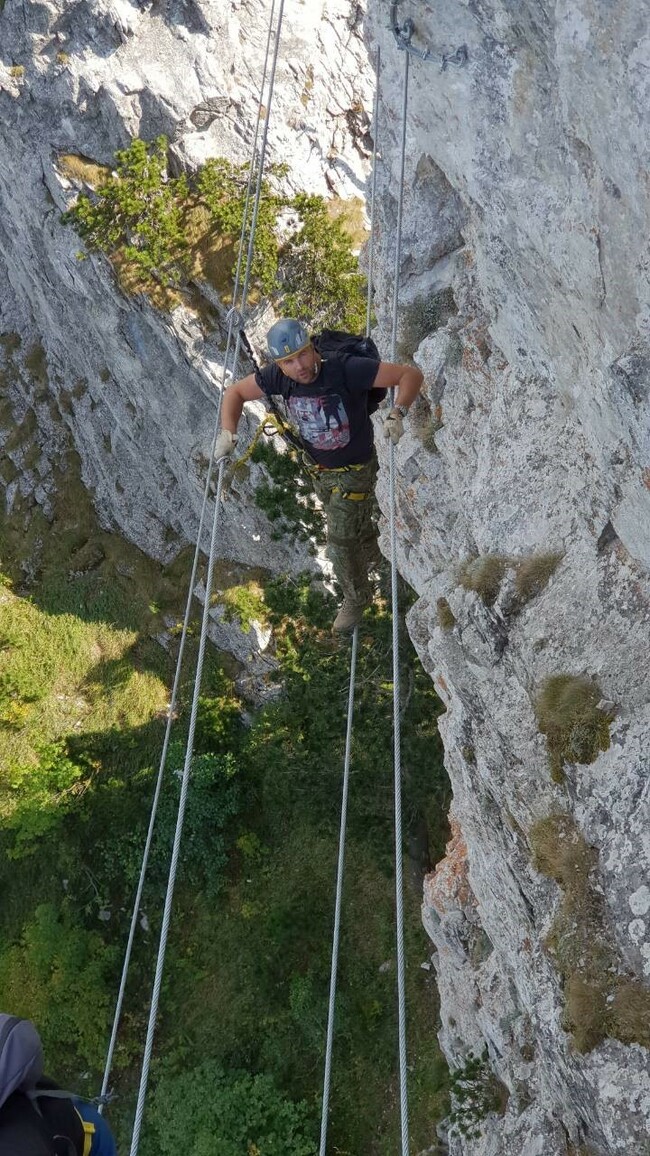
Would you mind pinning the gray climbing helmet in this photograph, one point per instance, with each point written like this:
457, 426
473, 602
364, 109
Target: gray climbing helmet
21, 1056
286, 337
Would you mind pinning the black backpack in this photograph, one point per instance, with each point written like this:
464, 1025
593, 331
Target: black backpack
36, 1118
51, 1129
339, 343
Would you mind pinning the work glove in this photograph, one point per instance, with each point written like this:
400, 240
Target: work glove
394, 426
224, 445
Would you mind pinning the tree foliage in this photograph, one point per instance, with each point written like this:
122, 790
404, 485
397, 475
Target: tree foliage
204, 1112
320, 273
60, 976
138, 212
302, 258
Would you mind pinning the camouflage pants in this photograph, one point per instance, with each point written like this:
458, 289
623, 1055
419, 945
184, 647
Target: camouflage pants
350, 510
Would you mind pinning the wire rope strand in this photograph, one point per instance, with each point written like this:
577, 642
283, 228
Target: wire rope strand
173, 867
373, 192
179, 662
397, 757
135, 1139
339, 896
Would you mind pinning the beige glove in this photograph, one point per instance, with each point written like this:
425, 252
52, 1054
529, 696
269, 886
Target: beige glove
394, 426
224, 445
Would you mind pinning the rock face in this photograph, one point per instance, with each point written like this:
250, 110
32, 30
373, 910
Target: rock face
526, 195
138, 390
525, 298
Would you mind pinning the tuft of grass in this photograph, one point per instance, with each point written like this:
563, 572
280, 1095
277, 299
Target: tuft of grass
585, 1011
630, 1013
567, 713
533, 573
484, 575
36, 363
80, 168
445, 614
244, 603
351, 212
424, 316
17, 70
599, 1001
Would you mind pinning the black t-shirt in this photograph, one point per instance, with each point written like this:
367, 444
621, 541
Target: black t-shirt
331, 413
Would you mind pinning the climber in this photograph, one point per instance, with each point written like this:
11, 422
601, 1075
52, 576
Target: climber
36, 1117
341, 461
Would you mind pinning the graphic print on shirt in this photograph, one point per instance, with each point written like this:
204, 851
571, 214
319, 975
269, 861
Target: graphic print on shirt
322, 421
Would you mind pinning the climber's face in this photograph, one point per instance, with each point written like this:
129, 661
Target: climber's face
302, 366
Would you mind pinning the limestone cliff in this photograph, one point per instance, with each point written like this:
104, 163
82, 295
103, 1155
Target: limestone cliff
524, 526
524, 477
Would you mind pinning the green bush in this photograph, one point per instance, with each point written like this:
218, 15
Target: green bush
320, 274
167, 228
475, 1092
61, 976
213, 801
288, 500
137, 211
206, 1112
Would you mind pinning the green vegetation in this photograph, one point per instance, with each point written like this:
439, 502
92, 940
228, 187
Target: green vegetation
288, 499
321, 277
138, 214
475, 1092
484, 575
600, 1001
208, 1112
84, 684
576, 729
161, 232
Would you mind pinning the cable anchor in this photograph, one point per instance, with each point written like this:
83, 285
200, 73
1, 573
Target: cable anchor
404, 34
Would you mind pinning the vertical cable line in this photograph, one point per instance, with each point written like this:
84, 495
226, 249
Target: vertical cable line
155, 998
348, 738
397, 756
188, 608
339, 895
373, 192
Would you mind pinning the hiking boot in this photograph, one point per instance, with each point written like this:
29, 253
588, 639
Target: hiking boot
349, 615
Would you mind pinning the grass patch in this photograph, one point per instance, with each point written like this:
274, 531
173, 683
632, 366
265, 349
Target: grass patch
532, 574
599, 1001
80, 168
244, 604
422, 317
351, 212
484, 576
576, 729
445, 615
476, 1091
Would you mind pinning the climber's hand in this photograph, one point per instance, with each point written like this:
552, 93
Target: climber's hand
394, 426
224, 445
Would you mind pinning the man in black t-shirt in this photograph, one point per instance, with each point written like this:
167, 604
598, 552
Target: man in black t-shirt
327, 401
